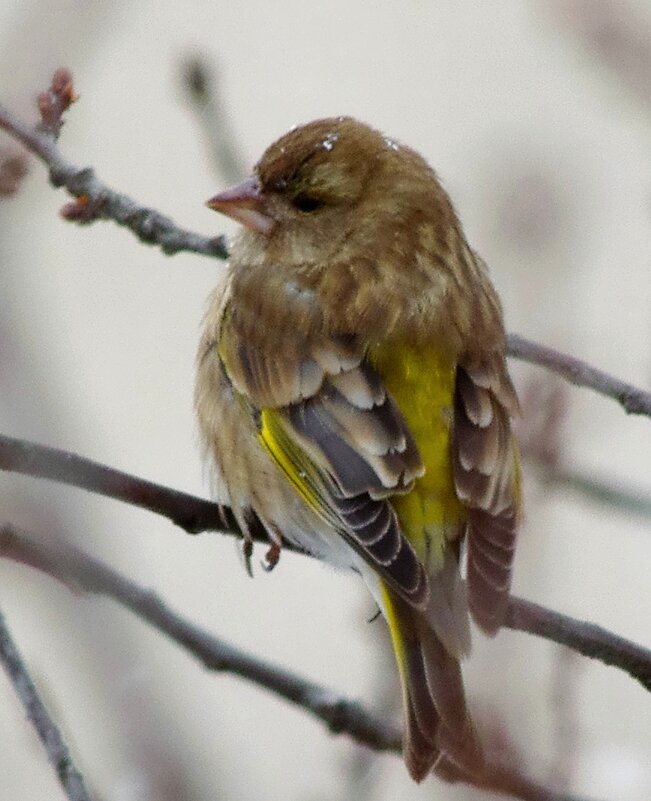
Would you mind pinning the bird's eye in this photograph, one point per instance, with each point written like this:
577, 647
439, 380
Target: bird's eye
307, 203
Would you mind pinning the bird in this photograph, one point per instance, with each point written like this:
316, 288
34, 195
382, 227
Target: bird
353, 397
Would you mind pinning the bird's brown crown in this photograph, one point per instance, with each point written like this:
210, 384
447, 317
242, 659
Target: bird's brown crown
332, 161
321, 158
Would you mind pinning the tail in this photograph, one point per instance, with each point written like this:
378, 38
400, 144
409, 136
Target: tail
438, 733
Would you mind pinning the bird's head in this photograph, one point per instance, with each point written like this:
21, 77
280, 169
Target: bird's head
328, 184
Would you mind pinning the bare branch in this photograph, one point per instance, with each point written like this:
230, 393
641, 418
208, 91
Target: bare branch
633, 399
79, 571
615, 34
586, 638
196, 514
49, 734
190, 513
95, 200
342, 716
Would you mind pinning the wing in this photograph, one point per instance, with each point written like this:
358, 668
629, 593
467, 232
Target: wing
327, 421
487, 480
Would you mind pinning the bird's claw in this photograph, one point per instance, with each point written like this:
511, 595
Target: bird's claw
271, 557
247, 553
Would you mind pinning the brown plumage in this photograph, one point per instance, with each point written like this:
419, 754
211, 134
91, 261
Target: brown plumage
352, 391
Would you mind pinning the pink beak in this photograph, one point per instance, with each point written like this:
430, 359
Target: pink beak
246, 204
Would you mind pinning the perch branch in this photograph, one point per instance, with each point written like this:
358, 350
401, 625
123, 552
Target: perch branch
196, 514
190, 513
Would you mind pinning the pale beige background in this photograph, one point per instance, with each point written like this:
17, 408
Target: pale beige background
546, 154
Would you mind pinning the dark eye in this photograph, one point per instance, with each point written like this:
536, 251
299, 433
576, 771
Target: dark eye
307, 203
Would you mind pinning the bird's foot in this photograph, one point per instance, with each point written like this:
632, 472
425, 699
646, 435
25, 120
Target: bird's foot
272, 556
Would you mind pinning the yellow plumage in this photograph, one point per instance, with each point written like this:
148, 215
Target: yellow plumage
420, 379
294, 462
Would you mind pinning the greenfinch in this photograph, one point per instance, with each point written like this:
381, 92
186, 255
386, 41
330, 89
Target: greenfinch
352, 395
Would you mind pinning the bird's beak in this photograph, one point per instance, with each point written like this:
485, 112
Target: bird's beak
245, 203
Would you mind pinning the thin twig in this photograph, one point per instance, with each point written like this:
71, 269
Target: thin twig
97, 201
633, 399
49, 734
342, 716
203, 87
196, 514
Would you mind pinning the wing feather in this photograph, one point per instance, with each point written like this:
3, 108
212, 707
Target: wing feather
487, 481
333, 429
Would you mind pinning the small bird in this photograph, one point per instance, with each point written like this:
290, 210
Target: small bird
352, 393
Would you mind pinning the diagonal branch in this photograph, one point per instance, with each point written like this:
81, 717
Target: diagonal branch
98, 201
342, 716
196, 514
49, 734
203, 88
588, 639
79, 571
633, 399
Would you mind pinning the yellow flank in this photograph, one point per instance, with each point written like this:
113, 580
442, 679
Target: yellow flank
294, 462
421, 381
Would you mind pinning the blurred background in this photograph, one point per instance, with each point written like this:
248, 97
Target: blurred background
537, 117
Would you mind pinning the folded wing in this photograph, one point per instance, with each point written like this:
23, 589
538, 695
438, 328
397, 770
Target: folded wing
487, 481
329, 424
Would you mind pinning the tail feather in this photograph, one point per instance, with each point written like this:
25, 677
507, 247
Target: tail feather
438, 729
419, 755
425, 714
447, 609
444, 683
419, 750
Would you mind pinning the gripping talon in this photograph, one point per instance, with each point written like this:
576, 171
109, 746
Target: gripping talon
271, 557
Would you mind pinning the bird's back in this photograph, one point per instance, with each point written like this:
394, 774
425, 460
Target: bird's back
421, 377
